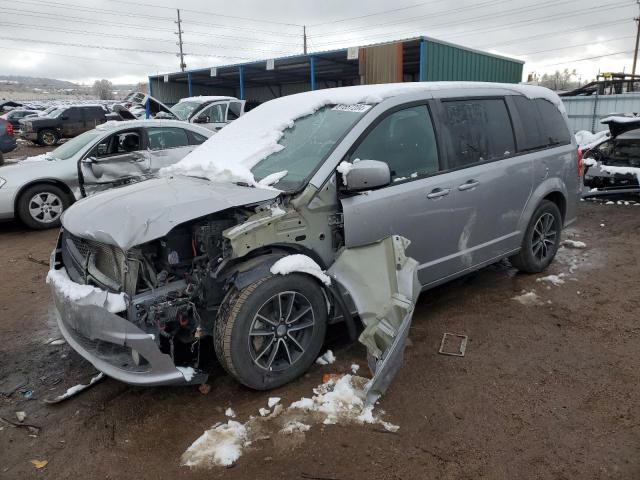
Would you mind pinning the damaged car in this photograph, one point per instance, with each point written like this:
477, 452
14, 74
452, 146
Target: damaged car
39, 189
212, 112
612, 165
337, 205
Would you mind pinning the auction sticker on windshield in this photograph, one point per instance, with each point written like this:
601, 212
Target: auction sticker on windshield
357, 108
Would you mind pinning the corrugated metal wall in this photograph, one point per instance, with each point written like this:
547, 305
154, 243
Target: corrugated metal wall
581, 109
447, 62
381, 64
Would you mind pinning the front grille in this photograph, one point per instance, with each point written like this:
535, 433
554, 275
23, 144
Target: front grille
93, 263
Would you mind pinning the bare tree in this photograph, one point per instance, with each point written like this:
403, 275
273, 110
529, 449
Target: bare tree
103, 89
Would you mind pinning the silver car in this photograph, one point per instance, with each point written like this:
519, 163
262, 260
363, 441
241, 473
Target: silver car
381, 192
37, 190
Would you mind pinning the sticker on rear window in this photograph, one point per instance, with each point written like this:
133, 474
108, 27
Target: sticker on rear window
357, 108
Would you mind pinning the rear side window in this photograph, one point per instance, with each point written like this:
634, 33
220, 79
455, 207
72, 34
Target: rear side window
161, 138
479, 131
533, 135
196, 138
556, 129
405, 140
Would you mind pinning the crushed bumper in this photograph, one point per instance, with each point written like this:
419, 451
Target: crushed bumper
107, 340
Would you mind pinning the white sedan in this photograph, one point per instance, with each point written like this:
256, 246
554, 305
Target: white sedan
37, 190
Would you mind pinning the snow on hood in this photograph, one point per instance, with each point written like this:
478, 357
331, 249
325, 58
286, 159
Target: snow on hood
138, 213
206, 98
229, 155
620, 119
587, 140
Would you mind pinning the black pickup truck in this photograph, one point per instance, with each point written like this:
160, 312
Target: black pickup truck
65, 122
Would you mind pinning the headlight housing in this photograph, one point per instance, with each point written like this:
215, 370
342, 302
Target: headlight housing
2, 182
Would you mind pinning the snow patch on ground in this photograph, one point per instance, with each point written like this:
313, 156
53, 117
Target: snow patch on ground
300, 263
554, 279
337, 401
264, 412
230, 413
326, 358
354, 368
85, 294
573, 244
273, 401
527, 298
77, 388
221, 445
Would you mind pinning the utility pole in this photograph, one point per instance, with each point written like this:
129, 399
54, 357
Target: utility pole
179, 33
635, 53
304, 39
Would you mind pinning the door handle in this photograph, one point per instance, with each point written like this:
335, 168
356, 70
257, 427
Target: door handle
468, 185
438, 192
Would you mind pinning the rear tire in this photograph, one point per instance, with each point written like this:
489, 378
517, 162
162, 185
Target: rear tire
41, 206
47, 137
541, 239
271, 331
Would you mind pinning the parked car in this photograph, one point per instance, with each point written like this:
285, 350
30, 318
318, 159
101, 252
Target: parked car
14, 116
8, 105
213, 112
7, 138
612, 166
64, 122
38, 190
287, 220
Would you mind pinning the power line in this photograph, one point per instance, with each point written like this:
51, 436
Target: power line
93, 10
49, 16
573, 60
556, 32
120, 49
545, 18
201, 12
430, 16
572, 46
393, 10
83, 58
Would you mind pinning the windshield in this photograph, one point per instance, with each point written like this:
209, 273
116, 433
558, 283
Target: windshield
307, 144
57, 112
73, 146
183, 110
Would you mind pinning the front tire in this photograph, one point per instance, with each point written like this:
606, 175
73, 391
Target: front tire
271, 331
47, 137
41, 206
541, 239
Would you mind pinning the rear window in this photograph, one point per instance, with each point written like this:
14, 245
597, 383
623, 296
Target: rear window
555, 127
479, 131
532, 135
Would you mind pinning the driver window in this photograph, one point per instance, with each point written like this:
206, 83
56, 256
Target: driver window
214, 112
119, 143
404, 140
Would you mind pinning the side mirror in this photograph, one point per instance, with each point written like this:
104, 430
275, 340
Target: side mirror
367, 174
202, 120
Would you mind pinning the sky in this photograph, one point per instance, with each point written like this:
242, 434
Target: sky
127, 40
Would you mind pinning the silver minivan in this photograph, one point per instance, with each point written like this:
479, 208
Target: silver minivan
325, 206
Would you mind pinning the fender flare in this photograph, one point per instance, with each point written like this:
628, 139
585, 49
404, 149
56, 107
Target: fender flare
546, 188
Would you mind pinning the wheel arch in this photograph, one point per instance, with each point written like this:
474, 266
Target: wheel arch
42, 181
554, 190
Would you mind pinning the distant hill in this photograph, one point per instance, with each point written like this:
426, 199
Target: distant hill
19, 87
38, 82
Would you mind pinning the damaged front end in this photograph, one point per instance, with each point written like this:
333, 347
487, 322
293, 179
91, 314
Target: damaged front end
171, 278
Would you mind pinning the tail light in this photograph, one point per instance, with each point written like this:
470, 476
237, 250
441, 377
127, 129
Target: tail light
9, 129
579, 161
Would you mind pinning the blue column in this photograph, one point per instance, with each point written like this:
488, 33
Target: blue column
312, 64
241, 72
150, 88
421, 74
189, 83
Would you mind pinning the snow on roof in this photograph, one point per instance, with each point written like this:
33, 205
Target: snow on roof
233, 151
619, 119
205, 98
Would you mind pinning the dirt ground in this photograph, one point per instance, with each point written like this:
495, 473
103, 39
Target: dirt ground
25, 149
545, 391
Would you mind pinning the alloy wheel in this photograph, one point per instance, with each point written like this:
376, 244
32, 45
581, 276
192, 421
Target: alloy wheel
48, 138
45, 207
544, 236
281, 331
